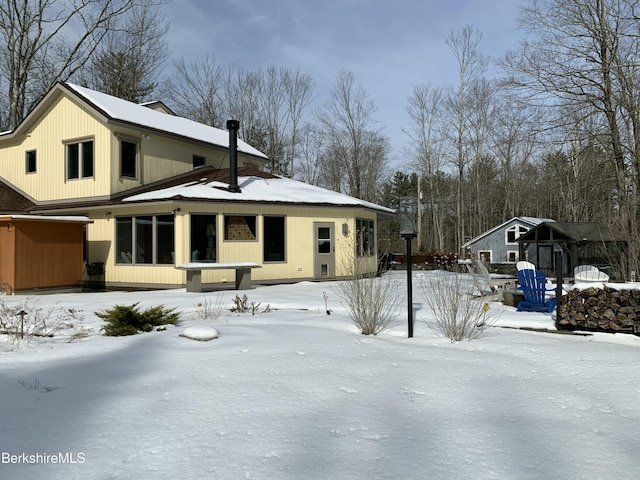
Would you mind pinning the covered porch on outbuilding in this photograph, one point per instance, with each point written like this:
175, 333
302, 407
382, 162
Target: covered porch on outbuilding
580, 243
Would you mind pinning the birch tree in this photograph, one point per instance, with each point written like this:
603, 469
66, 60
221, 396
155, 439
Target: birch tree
472, 64
425, 109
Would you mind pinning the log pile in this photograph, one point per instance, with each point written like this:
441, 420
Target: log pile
600, 309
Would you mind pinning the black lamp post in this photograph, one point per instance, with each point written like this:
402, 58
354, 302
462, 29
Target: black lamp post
408, 236
408, 232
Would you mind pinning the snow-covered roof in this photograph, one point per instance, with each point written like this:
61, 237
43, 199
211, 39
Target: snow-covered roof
48, 218
531, 221
255, 188
132, 113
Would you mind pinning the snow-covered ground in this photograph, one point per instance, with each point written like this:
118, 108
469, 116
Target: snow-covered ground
295, 393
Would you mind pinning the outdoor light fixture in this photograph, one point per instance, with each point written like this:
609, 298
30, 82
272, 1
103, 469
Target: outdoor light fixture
345, 229
408, 232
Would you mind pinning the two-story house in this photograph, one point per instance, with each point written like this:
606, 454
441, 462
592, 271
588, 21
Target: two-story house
149, 190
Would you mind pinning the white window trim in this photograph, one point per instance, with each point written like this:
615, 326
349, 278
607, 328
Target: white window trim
514, 228
480, 252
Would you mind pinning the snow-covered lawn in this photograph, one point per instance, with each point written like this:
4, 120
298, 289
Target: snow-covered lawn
294, 393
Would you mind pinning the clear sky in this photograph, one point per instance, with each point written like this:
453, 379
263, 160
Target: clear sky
389, 45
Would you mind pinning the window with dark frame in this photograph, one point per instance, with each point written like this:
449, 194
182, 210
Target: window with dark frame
514, 232
274, 239
73, 162
198, 161
203, 243
79, 160
485, 256
365, 237
145, 240
87, 159
31, 161
128, 159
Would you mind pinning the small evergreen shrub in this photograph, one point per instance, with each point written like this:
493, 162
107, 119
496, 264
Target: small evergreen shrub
124, 320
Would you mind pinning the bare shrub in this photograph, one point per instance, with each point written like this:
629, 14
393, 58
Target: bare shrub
209, 308
25, 320
240, 304
371, 301
456, 314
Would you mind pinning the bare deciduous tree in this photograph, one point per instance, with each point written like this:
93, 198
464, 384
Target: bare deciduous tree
268, 103
584, 53
356, 152
197, 91
129, 59
47, 41
471, 65
425, 109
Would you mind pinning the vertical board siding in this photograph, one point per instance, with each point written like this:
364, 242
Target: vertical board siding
48, 254
7, 255
300, 246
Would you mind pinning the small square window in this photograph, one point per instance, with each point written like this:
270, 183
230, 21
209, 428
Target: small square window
31, 161
198, 161
240, 227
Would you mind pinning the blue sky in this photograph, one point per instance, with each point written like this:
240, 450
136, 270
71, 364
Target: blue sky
390, 46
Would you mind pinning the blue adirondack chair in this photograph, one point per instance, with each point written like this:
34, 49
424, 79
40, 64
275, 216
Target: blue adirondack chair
533, 284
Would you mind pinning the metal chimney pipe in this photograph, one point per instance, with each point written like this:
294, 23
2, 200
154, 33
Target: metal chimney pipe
233, 126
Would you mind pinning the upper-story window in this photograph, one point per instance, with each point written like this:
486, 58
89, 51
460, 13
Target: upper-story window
128, 159
514, 232
30, 159
198, 161
79, 159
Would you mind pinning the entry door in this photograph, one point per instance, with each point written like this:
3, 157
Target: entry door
324, 251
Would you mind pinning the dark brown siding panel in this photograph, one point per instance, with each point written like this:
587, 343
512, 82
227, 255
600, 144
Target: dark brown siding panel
7, 255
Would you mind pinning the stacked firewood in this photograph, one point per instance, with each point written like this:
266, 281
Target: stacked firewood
600, 309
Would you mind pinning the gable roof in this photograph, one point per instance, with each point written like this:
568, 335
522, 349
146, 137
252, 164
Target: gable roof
209, 184
119, 111
12, 201
530, 221
573, 232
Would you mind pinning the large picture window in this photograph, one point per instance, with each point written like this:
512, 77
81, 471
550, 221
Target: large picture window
203, 238
145, 240
365, 237
79, 160
274, 239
